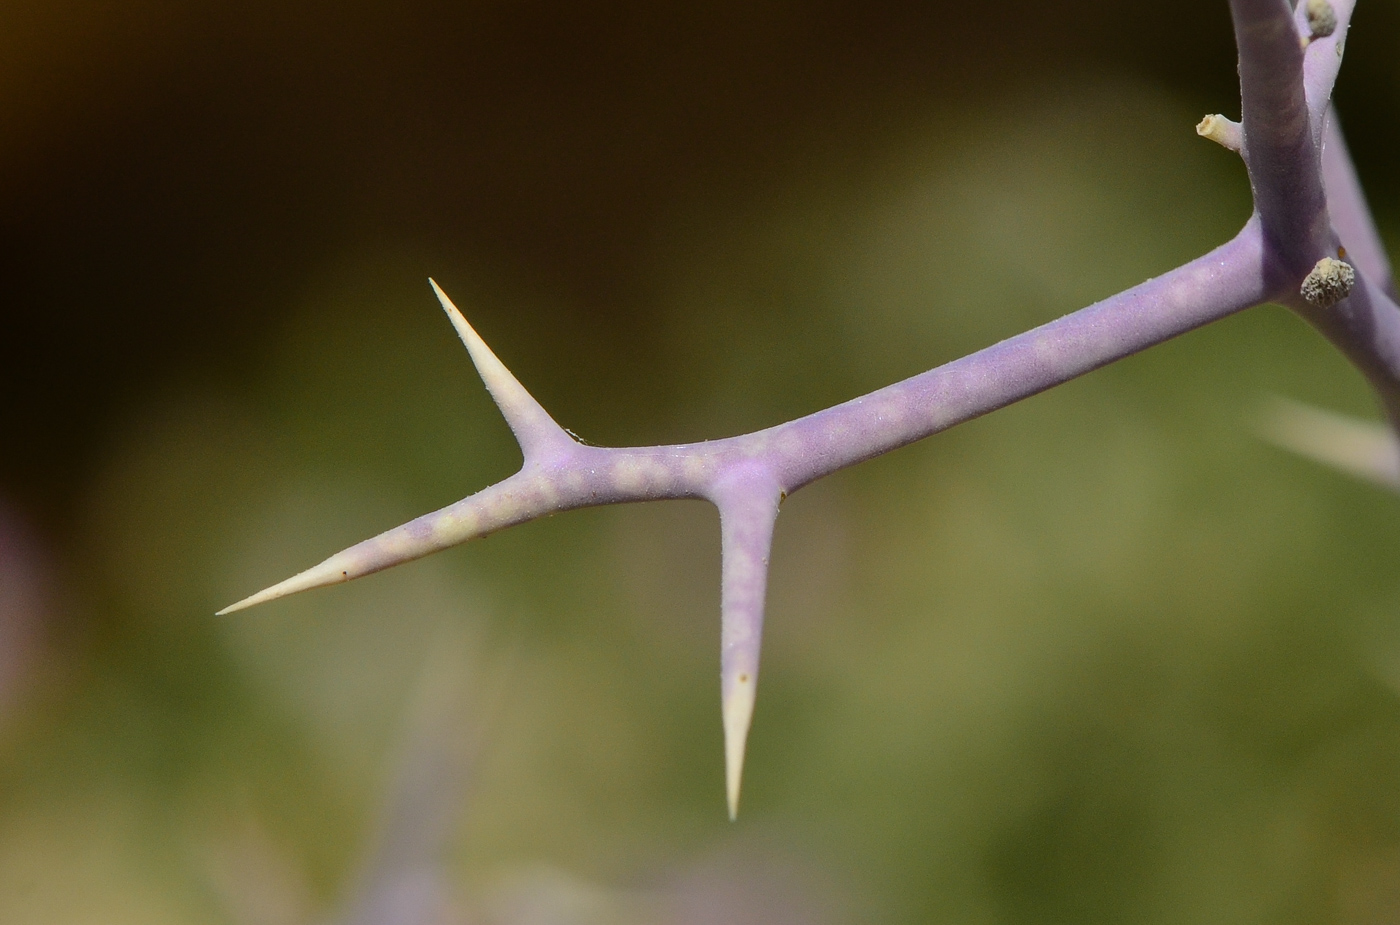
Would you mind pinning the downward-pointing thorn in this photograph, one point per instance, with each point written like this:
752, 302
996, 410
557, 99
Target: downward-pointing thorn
748, 506
738, 715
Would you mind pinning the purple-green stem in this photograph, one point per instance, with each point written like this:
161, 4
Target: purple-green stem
1292, 156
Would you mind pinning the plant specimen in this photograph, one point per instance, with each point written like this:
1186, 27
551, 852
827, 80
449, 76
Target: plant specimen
1310, 245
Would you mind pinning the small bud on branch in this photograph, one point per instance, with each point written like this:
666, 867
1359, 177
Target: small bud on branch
1329, 282
1322, 19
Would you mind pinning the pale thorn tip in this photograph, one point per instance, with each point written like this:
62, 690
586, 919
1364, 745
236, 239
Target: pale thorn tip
738, 715
528, 420
327, 573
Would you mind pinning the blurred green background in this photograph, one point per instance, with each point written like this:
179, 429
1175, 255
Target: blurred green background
1101, 657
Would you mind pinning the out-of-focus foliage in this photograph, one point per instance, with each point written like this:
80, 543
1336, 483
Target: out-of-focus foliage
1101, 657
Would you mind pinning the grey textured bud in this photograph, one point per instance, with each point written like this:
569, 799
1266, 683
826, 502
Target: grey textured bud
1329, 282
1322, 19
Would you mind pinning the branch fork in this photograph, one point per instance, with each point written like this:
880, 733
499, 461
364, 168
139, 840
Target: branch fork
1307, 203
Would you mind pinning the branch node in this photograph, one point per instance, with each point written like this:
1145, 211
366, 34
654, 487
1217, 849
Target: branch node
1224, 132
1329, 282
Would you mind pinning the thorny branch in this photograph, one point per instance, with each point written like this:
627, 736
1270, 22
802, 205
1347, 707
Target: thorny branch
1307, 205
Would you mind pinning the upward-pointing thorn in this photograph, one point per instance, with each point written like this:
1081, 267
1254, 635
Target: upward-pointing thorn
535, 430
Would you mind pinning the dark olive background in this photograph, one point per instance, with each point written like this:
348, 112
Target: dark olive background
1102, 657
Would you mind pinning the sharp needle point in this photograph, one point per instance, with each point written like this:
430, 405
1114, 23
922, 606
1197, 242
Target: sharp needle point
531, 424
738, 715
327, 573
